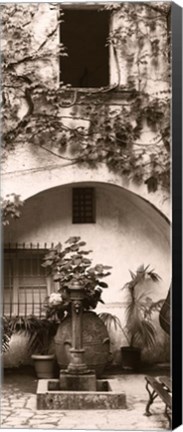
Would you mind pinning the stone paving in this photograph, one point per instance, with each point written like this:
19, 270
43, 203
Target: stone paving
18, 410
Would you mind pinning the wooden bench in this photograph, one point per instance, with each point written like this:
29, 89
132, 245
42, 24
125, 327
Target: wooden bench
159, 386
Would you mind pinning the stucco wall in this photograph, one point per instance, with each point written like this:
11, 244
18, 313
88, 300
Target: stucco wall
128, 231
30, 169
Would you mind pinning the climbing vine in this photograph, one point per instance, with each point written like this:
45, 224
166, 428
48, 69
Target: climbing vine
108, 123
11, 207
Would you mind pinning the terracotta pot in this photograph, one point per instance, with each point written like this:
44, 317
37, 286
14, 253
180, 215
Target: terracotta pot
131, 358
44, 365
95, 343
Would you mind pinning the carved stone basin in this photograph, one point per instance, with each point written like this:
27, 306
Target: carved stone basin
107, 396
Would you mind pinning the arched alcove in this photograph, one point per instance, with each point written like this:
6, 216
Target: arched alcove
128, 230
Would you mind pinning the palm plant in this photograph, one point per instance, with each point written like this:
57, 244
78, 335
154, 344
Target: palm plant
5, 334
140, 331
40, 331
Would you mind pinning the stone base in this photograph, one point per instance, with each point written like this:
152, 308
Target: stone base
75, 400
75, 382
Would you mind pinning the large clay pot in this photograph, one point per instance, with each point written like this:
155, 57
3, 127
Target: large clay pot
95, 342
44, 365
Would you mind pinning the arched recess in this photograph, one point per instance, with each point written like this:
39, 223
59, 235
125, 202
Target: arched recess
38, 180
128, 232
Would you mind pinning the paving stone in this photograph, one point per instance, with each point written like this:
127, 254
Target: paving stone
23, 416
43, 425
46, 419
19, 411
51, 418
17, 406
3, 419
6, 411
31, 403
10, 426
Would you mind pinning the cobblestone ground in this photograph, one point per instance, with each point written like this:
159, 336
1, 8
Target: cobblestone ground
18, 410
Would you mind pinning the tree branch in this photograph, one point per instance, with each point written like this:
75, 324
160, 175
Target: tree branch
59, 156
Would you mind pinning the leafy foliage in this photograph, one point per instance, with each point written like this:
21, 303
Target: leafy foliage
10, 208
110, 320
5, 334
113, 135
39, 331
140, 329
68, 265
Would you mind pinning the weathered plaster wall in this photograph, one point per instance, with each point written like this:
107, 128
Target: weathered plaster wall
128, 52
29, 171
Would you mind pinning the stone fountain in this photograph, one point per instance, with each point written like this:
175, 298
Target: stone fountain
77, 386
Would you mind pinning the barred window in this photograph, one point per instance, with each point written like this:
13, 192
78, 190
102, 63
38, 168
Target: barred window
83, 205
25, 282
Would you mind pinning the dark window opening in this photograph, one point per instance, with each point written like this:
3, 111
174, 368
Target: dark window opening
83, 205
84, 33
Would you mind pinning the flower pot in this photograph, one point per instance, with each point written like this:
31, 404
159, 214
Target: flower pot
95, 343
44, 365
131, 358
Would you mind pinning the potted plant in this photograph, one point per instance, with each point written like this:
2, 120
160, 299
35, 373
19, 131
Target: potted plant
140, 331
40, 332
67, 265
39, 344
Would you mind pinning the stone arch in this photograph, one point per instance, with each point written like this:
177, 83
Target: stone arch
56, 176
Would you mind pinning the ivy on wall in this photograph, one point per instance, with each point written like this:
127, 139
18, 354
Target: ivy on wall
109, 121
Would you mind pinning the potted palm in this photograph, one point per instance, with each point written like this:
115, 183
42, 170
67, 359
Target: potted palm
140, 331
40, 332
67, 265
39, 344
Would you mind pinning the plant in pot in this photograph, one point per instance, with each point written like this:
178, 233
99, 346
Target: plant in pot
40, 332
67, 265
140, 331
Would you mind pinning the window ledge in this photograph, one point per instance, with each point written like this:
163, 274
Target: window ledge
98, 95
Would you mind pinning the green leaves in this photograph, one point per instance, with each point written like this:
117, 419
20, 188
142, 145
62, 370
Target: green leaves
141, 330
73, 240
6, 332
69, 264
11, 207
110, 136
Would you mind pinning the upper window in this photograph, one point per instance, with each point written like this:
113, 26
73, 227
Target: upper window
84, 33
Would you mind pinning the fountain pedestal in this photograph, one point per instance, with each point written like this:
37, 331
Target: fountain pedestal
77, 387
77, 376
76, 382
